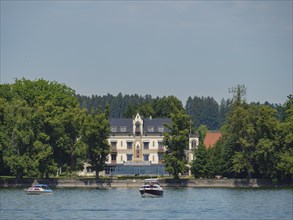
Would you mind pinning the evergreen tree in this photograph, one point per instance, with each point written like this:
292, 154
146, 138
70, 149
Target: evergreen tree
203, 111
284, 161
199, 163
215, 162
240, 130
224, 109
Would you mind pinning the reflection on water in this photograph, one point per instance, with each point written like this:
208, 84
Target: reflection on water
182, 203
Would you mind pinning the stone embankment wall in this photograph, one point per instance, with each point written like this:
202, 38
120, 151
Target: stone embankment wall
120, 183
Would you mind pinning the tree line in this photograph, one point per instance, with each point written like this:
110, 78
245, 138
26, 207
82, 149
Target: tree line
45, 127
127, 106
202, 110
256, 141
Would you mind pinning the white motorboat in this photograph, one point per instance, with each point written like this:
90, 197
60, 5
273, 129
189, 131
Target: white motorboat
38, 189
151, 187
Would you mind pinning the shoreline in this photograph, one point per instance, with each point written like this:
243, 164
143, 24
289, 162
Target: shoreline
136, 183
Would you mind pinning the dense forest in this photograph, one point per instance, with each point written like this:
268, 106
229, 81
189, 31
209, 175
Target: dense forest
202, 110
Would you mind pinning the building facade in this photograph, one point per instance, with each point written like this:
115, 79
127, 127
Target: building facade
137, 146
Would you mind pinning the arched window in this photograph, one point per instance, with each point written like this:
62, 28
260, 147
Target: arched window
137, 128
193, 144
137, 151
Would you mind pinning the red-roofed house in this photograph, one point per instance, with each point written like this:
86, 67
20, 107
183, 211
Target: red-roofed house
211, 139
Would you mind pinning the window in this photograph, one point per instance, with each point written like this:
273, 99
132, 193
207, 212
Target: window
160, 156
129, 157
146, 157
123, 129
129, 145
161, 128
150, 128
145, 145
137, 129
113, 157
137, 151
193, 144
113, 144
160, 145
113, 129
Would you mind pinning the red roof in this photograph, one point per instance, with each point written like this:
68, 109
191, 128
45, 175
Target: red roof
211, 138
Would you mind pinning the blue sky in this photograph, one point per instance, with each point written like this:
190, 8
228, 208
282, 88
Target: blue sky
161, 48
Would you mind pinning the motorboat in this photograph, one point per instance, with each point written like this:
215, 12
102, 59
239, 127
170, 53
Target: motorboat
151, 187
39, 189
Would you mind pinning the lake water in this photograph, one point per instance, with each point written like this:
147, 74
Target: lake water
126, 203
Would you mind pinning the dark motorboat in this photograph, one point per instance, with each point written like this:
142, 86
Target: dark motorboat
151, 187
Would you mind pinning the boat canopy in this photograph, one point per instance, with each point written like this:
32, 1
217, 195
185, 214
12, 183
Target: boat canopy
41, 185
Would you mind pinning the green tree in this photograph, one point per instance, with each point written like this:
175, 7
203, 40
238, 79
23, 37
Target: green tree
265, 122
252, 141
146, 110
43, 148
203, 110
72, 153
242, 127
224, 109
202, 131
176, 141
238, 136
165, 106
285, 133
203, 164
130, 111
199, 163
95, 135
215, 160
226, 149
17, 154
4, 140
41, 126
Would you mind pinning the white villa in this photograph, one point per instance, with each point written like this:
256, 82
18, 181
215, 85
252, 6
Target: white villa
137, 146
